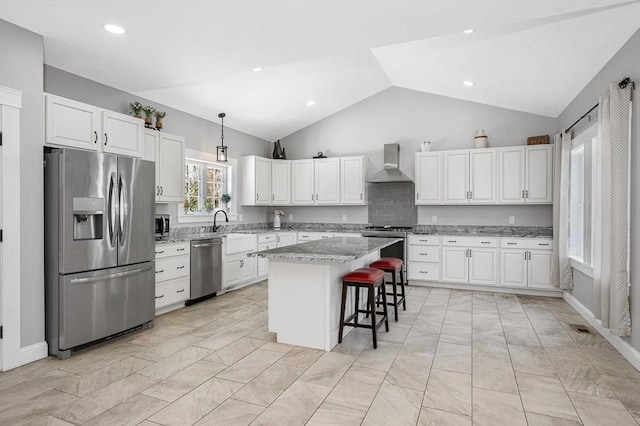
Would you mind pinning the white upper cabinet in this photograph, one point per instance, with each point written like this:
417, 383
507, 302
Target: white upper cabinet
302, 183
456, 177
327, 181
256, 181
539, 174
78, 125
352, 185
280, 182
170, 168
483, 176
428, 178
526, 174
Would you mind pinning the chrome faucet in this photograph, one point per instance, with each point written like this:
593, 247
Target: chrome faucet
215, 227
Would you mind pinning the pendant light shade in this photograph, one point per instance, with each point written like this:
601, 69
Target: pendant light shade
221, 150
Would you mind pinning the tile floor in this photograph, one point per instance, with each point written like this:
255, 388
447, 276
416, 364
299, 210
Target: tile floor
454, 358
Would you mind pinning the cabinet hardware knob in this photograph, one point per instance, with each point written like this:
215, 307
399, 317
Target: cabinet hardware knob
106, 139
160, 297
96, 137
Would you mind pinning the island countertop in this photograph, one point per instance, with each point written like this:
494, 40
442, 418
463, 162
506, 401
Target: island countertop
329, 250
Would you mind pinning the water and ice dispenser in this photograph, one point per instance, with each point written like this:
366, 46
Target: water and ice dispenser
88, 214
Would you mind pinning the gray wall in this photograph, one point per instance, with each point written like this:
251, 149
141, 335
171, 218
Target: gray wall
201, 135
21, 55
626, 63
410, 117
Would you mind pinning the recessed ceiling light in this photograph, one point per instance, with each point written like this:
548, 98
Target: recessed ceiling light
468, 83
114, 29
311, 102
256, 69
469, 31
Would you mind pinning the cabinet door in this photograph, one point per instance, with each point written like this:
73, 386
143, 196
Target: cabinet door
456, 177
231, 272
539, 272
454, 264
122, 134
286, 239
170, 169
429, 178
327, 181
263, 264
263, 181
483, 179
352, 180
302, 187
539, 174
71, 123
511, 175
151, 145
249, 269
423, 271
513, 268
280, 183
483, 266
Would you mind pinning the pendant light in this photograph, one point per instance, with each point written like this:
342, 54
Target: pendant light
221, 150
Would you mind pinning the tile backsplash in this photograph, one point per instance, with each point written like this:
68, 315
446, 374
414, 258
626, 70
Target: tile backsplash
392, 204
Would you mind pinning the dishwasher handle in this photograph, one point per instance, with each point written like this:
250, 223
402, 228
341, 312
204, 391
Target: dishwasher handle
206, 244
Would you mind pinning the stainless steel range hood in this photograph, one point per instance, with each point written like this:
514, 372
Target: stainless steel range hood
390, 172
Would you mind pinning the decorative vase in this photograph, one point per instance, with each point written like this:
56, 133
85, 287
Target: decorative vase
147, 121
276, 222
277, 150
158, 124
480, 139
137, 115
284, 154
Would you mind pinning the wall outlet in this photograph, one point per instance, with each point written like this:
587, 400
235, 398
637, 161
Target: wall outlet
512, 220
291, 216
239, 218
434, 219
344, 217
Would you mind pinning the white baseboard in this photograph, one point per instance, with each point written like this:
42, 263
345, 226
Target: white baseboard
630, 353
33, 352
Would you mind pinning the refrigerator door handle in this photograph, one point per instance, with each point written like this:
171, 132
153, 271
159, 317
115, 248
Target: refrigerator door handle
121, 209
111, 218
109, 276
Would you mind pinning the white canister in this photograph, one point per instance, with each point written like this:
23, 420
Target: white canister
480, 139
276, 222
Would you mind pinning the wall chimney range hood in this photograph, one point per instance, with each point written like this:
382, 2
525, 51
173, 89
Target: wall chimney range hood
391, 172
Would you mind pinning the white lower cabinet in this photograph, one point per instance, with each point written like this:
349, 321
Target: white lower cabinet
172, 269
270, 241
423, 258
237, 267
312, 236
526, 262
470, 260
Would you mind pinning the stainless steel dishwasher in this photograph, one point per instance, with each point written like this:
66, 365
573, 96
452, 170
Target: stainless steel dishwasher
206, 269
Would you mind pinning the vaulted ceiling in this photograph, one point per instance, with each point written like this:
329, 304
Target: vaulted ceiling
199, 56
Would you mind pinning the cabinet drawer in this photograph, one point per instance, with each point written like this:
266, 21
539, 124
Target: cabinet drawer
266, 238
266, 246
347, 234
311, 236
166, 250
172, 267
527, 243
424, 240
469, 242
172, 292
423, 271
424, 253
239, 243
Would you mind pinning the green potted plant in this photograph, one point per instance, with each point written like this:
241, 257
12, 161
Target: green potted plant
186, 205
148, 113
136, 109
159, 116
225, 198
208, 205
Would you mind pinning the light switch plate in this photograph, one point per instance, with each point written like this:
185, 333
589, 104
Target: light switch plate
344, 217
434, 219
239, 218
291, 216
512, 220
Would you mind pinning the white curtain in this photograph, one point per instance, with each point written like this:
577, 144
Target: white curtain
562, 274
611, 238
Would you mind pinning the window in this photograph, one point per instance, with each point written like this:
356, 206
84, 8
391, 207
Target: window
204, 185
581, 197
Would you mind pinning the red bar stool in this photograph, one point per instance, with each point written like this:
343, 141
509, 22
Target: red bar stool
393, 265
371, 279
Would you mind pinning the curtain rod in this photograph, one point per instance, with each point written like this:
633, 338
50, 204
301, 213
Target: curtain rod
623, 83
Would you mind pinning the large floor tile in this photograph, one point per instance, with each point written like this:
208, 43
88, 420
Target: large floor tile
336, 415
533, 360
394, 405
128, 413
173, 363
582, 377
250, 366
448, 391
491, 408
420, 344
30, 388
365, 380
235, 351
295, 406
168, 347
328, 369
184, 381
494, 374
534, 419
33, 408
597, 411
410, 372
545, 395
380, 358
231, 413
431, 417
269, 384
453, 357
301, 357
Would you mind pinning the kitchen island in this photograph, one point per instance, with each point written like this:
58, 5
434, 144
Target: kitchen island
305, 286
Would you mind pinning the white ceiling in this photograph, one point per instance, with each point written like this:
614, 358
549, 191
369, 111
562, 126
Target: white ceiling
198, 56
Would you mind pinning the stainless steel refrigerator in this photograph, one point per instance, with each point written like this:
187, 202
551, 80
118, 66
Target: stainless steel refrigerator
99, 247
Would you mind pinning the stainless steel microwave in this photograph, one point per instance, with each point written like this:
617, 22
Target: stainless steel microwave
162, 226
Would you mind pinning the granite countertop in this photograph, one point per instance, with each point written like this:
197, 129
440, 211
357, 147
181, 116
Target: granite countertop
485, 231
191, 237
329, 250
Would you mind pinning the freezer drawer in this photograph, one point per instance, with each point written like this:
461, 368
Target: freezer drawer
98, 304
